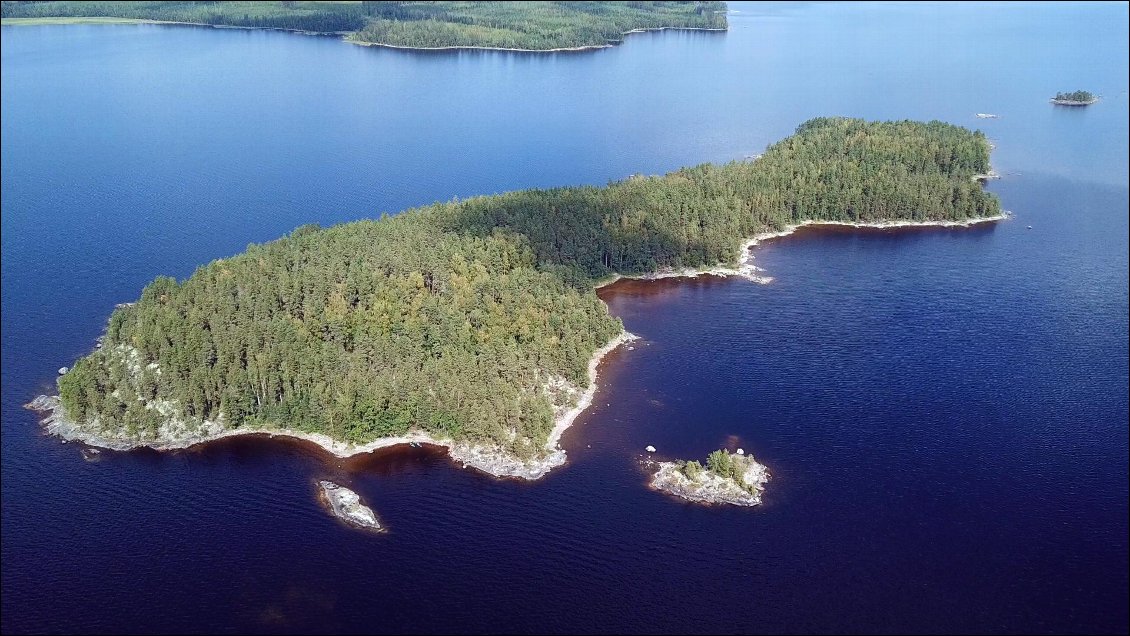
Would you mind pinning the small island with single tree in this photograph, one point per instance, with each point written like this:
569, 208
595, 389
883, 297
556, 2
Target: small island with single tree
735, 479
1075, 98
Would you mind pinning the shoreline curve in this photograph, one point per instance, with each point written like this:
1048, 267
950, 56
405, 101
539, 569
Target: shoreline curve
747, 270
562, 49
342, 35
491, 460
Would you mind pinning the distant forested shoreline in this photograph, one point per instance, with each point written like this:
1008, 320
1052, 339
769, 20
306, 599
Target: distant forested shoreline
474, 320
1075, 98
532, 26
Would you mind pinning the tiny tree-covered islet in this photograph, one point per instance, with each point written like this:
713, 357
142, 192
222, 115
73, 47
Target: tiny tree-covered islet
735, 479
1075, 98
527, 26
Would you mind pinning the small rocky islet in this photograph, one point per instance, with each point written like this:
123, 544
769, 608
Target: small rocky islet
727, 478
346, 505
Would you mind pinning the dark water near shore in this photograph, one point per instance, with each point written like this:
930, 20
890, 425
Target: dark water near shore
944, 411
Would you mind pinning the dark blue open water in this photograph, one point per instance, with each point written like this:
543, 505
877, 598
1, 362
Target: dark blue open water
944, 411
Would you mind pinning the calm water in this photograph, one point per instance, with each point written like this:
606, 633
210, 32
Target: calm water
944, 411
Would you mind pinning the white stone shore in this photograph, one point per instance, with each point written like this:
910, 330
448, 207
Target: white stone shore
346, 505
747, 270
493, 460
565, 420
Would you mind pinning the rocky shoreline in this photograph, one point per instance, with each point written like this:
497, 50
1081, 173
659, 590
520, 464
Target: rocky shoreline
346, 505
492, 460
1073, 102
565, 420
747, 270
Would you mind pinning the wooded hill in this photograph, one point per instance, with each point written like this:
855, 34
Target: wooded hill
516, 25
1074, 96
462, 318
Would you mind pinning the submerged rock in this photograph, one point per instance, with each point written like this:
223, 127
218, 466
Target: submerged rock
346, 505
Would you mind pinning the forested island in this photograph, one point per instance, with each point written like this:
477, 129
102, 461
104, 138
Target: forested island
528, 26
735, 479
1075, 98
475, 324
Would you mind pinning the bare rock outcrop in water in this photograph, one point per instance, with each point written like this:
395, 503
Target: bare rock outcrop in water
346, 505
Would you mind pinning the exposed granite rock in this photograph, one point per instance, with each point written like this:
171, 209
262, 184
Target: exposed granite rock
44, 403
502, 463
176, 432
708, 487
346, 505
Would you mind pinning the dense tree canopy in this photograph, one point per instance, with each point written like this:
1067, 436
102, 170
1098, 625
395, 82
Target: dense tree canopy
1075, 96
519, 25
530, 25
466, 318
722, 464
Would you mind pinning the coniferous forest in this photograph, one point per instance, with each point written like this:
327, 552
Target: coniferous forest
459, 318
1074, 96
516, 25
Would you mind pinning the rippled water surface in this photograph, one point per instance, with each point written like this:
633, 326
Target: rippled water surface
943, 411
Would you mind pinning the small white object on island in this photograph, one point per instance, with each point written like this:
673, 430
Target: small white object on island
740, 452
346, 505
650, 449
63, 370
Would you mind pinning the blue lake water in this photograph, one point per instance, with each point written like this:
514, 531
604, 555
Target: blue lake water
943, 411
